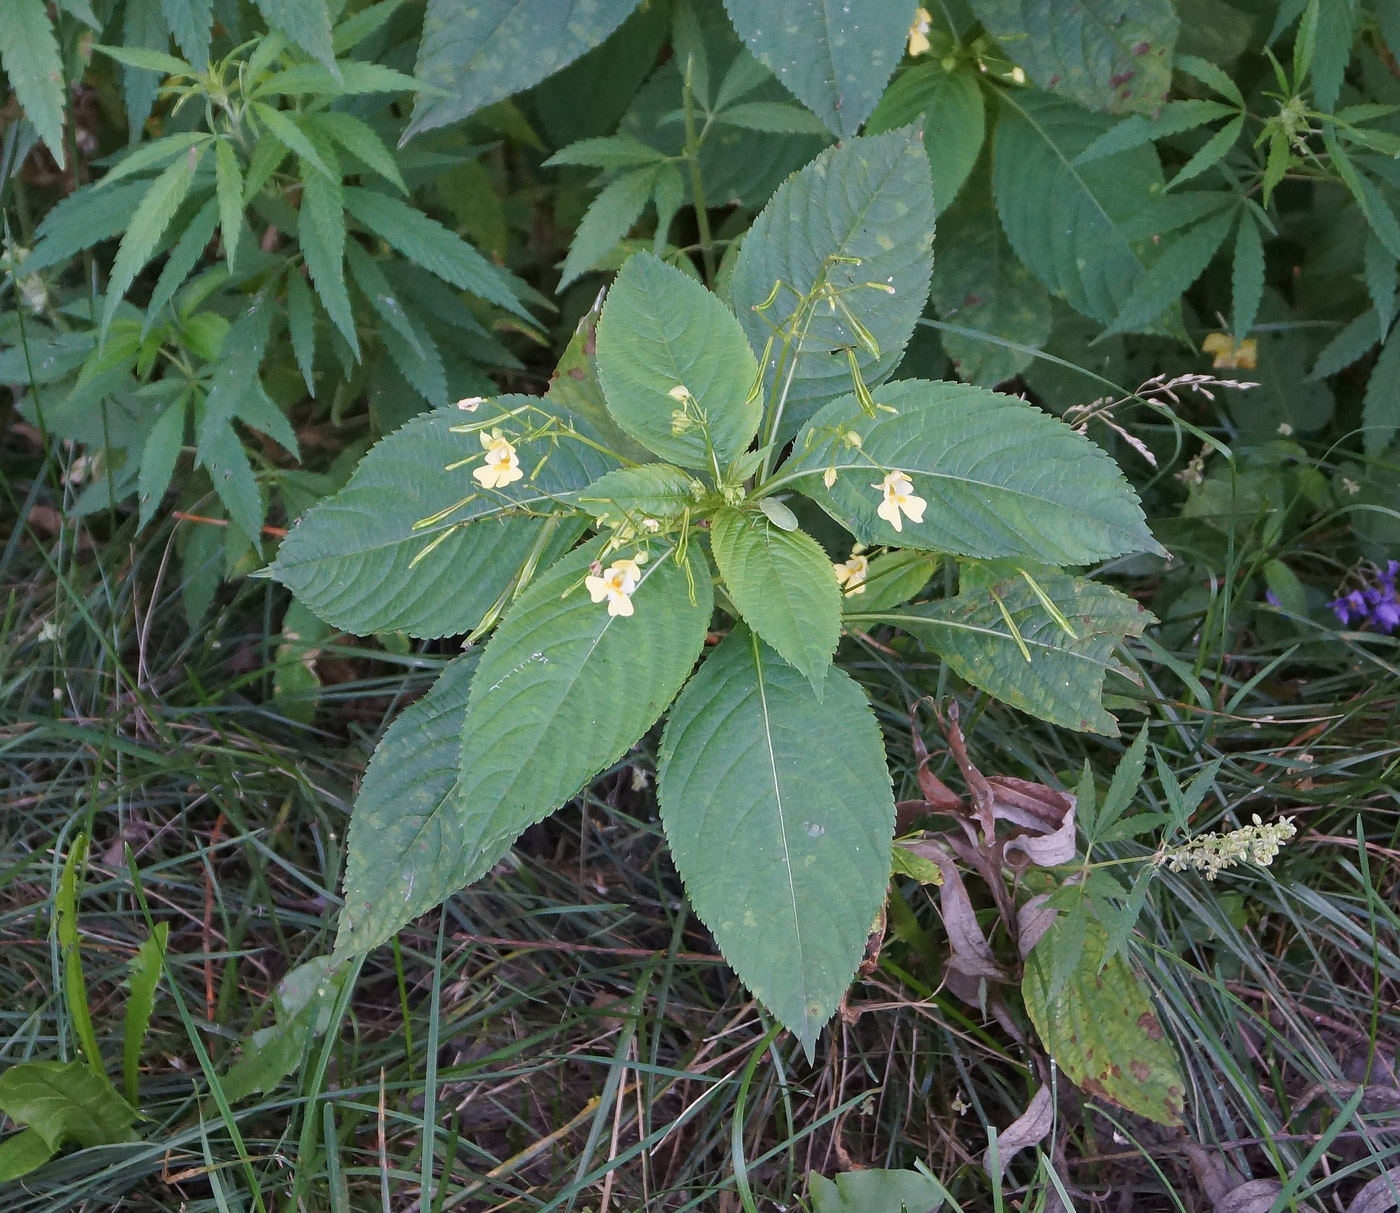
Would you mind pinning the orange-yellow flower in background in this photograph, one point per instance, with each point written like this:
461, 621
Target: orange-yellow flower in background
1231, 354
918, 32
502, 465
617, 584
851, 573
897, 491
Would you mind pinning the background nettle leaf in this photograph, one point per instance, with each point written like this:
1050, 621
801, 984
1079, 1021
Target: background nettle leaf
1063, 680
835, 60
361, 561
1000, 477
479, 51
784, 587
860, 219
778, 810
949, 105
1070, 223
1113, 55
979, 283
666, 345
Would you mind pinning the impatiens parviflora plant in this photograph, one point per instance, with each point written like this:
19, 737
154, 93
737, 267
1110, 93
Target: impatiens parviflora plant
649, 502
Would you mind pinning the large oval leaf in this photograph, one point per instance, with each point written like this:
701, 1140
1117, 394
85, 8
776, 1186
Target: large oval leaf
475, 52
1070, 222
868, 201
1000, 478
784, 587
1113, 55
778, 810
836, 64
1063, 680
661, 334
401, 816
358, 559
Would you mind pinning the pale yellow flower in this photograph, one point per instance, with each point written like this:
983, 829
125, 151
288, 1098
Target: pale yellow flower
829, 476
851, 573
617, 584
898, 493
918, 32
502, 464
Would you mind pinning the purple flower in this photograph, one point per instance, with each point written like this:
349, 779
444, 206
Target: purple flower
1272, 599
1374, 604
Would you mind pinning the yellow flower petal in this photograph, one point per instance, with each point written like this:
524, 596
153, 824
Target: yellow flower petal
597, 588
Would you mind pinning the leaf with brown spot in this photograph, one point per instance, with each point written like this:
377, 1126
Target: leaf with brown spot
1101, 1030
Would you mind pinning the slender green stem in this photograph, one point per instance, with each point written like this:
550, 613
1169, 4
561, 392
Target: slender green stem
693, 141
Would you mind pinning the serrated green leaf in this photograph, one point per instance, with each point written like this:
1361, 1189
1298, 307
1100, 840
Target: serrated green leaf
563, 682
434, 247
359, 26
869, 201
876, 1191
143, 25
321, 234
1379, 264
221, 451
1336, 26
1211, 153
29, 54
155, 154
149, 60
191, 22
954, 121
784, 587
404, 334
1209, 74
305, 22
410, 777
477, 53
357, 138
1066, 221
140, 1002
980, 284
1181, 263
1001, 478
158, 207
778, 810
1063, 681
292, 137
836, 64
1135, 131
181, 260
64, 1101
1104, 54
775, 117
301, 324
607, 221
1101, 1030
1277, 164
353, 78
159, 454
607, 152
1247, 276
1380, 411
663, 334
653, 490
230, 194
351, 558
1353, 340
